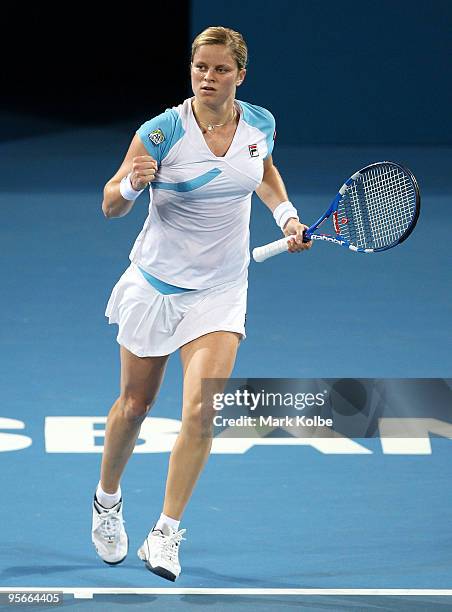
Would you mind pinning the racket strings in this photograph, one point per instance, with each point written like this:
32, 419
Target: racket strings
391, 200
377, 208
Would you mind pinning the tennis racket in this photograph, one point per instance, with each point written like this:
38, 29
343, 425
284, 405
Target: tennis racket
375, 209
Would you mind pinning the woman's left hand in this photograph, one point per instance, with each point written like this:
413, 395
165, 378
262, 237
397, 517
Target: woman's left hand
295, 228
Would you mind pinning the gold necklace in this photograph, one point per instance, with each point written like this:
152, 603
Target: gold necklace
211, 126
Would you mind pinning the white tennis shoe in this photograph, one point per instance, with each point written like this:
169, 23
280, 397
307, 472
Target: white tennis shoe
108, 533
160, 552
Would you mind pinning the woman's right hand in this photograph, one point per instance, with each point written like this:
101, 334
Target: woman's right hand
144, 169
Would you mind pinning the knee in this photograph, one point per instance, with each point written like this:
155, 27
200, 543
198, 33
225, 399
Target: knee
135, 408
197, 420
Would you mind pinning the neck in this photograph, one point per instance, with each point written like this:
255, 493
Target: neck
208, 115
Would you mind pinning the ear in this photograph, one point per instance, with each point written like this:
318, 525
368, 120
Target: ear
241, 76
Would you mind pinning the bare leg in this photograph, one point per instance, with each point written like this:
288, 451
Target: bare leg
210, 356
140, 381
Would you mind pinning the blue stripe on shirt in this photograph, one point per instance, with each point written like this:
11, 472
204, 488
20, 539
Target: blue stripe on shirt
162, 287
195, 183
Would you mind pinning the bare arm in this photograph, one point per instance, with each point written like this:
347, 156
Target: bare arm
272, 192
143, 168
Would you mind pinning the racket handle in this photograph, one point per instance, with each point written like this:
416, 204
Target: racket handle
307, 235
271, 249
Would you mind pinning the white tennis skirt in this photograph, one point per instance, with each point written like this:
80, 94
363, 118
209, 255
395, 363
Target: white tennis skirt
152, 324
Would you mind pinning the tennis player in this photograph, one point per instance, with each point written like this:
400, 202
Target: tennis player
186, 285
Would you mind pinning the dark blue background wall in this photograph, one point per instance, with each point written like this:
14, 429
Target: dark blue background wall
70, 67
348, 72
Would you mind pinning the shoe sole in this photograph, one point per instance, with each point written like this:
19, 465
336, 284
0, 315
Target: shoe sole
116, 562
158, 571
161, 571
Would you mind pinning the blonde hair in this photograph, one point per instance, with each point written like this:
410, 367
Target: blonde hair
217, 35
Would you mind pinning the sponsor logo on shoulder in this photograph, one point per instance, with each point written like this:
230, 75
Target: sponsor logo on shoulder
157, 136
254, 151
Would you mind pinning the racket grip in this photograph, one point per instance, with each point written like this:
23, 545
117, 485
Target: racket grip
307, 236
271, 249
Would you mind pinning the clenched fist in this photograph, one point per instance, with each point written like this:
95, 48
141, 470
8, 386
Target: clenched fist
143, 172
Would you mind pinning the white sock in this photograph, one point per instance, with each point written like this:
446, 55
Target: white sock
168, 520
107, 500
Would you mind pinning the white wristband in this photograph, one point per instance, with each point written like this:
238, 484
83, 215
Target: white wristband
127, 191
283, 212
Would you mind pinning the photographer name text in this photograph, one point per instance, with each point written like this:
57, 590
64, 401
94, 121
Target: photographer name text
271, 421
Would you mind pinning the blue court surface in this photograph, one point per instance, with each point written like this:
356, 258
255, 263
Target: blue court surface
303, 522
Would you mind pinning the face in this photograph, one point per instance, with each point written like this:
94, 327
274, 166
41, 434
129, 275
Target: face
214, 74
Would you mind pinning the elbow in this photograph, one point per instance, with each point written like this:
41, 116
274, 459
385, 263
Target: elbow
113, 205
106, 210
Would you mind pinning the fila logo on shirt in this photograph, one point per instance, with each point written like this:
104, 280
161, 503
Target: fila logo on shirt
157, 136
254, 151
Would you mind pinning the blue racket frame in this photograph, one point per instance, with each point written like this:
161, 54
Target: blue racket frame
337, 238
